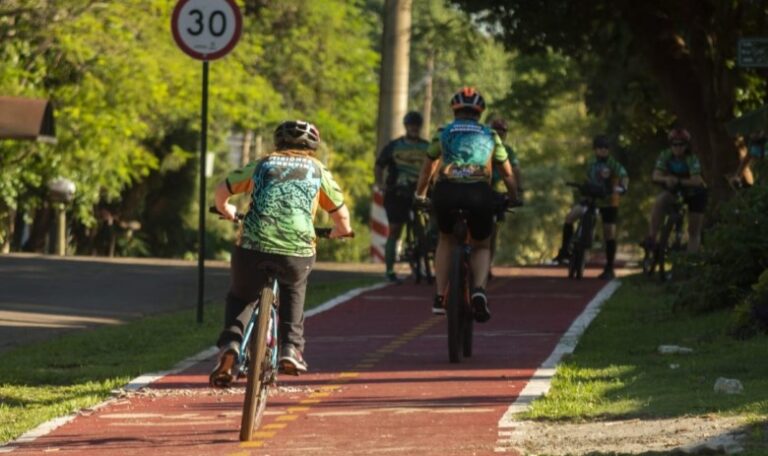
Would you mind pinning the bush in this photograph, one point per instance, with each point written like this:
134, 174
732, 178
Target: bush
735, 254
751, 315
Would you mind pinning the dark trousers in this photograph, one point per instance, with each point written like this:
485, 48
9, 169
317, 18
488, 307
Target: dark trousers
248, 277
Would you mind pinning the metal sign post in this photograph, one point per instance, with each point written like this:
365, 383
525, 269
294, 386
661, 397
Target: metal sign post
205, 30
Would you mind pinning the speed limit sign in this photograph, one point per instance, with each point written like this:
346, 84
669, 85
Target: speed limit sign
206, 29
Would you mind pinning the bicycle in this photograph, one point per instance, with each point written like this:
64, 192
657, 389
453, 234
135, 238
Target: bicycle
584, 234
418, 248
258, 355
655, 256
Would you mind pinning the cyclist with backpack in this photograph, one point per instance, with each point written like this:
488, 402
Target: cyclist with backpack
285, 189
608, 178
401, 159
678, 169
462, 154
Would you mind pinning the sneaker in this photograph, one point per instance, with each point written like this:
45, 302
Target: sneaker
291, 361
438, 307
392, 277
224, 373
648, 243
561, 258
480, 305
607, 274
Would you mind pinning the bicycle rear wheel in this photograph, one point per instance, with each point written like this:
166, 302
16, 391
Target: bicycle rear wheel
256, 389
456, 306
422, 248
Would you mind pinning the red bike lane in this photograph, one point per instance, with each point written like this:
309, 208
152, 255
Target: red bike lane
379, 382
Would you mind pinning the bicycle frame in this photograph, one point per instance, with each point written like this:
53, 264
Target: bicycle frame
459, 312
272, 335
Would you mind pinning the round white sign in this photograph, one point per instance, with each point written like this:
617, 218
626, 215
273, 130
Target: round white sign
206, 29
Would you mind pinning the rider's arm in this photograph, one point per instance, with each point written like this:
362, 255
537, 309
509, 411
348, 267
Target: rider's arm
341, 225
695, 179
661, 177
331, 199
238, 181
429, 166
508, 177
383, 161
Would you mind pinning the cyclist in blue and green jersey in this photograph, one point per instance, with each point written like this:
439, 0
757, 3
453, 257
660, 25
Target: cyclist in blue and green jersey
462, 154
606, 176
285, 188
401, 161
678, 168
497, 184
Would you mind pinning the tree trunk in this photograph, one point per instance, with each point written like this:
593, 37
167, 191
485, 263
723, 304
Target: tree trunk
393, 91
426, 110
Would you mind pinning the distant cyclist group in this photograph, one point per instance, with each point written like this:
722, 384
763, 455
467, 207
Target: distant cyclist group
464, 174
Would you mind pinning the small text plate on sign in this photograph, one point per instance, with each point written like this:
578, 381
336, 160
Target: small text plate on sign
206, 29
753, 52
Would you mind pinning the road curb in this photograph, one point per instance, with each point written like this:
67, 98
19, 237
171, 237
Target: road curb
541, 381
146, 379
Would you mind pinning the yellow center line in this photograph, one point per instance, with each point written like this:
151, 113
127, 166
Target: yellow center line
252, 444
287, 418
280, 425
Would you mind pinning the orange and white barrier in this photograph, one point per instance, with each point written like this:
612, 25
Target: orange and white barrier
379, 227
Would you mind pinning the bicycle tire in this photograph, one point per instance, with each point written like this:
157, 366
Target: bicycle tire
422, 248
455, 305
663, 246
256, 390
467, 333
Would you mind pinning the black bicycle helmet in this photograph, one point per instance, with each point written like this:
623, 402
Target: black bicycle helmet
413, 118
601, 142
297, 134
468, 97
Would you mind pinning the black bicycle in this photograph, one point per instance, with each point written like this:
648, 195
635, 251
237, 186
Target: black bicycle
584, 234
258, 353
419, 247
670, 237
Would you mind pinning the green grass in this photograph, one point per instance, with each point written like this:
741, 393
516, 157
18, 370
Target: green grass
616, 371
79, 369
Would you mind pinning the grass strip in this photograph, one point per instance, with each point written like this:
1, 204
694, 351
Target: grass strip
44, 380
616, 371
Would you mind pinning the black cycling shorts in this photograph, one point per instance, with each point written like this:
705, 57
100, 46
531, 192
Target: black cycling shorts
475, 198
609, 214
397, 203
697, 202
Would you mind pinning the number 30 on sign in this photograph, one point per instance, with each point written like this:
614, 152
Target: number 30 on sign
206, 29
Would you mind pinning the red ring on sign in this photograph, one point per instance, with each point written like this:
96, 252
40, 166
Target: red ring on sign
199, 55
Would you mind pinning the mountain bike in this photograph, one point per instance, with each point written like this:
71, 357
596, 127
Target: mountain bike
584, 234
258, 352
670, 237
419, 248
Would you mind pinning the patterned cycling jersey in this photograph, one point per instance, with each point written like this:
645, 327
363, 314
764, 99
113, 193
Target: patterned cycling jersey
286, 188
757, 149
403, 159
468, 149
496, 182
605, 173
682, 167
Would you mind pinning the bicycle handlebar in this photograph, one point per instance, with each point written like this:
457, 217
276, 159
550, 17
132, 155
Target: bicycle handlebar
321, 232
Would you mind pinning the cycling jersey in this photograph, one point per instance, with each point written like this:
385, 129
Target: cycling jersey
605, 172
683, 167
286, 187
403, 160
468, 150
497, 183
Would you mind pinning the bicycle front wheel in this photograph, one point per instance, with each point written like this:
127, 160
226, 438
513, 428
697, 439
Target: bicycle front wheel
456, 305
256, 389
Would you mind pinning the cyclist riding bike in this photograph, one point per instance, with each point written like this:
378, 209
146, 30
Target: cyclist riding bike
401, 159
607, 177
678, 168
285, 188
465, 151
497, 184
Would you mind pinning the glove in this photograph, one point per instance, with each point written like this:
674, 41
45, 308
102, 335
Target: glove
619, 189
420, 201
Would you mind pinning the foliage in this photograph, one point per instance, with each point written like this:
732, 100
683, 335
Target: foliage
736, 255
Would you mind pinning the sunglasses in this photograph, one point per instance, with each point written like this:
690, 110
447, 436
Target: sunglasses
678, 144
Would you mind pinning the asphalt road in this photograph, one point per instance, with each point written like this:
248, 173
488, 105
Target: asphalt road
42, 296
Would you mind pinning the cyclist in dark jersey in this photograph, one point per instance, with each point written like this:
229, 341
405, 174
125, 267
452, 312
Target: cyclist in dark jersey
607, 177
401, 159
285, 188
678, 167
463, 154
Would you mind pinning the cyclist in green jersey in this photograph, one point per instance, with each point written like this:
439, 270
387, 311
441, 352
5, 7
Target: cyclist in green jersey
497, 184
463, 153
608, 177
679, 169
401, 159
755, 151
285, 188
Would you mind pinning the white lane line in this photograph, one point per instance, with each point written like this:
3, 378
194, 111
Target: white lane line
144, 380
541, 381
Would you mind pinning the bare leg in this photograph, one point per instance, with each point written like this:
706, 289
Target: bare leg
695, 222
445, 245
480, 261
